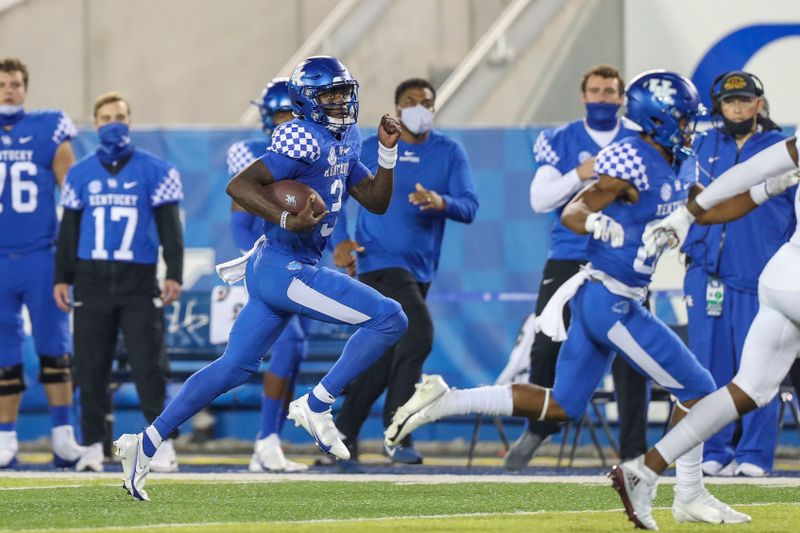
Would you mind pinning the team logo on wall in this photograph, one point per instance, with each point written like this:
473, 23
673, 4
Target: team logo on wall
332, 156
666, 192
95, 186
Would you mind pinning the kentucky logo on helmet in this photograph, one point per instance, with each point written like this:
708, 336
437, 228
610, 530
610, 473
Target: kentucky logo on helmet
663, 90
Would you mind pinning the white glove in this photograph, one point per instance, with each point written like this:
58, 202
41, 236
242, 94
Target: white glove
606, 229
669, 231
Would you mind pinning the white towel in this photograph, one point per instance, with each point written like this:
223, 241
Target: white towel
519, 362
551, 321
235, 269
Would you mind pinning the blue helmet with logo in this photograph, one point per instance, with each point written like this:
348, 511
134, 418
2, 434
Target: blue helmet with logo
665, 105
274, 98
316, 76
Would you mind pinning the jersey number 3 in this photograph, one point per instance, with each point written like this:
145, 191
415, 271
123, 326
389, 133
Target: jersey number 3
336, 188
23, 192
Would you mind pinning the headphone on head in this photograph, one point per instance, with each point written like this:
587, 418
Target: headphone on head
715, 91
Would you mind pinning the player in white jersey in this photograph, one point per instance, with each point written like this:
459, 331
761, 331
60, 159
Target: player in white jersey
773, 341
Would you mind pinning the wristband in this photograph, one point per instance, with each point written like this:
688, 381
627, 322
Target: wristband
759, 193
284, 215
387, 157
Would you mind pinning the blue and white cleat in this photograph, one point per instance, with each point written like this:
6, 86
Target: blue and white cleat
135, 465
320, 426
414, 413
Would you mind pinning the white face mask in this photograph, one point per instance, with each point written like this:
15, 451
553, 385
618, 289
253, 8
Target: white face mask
417, 119
6, 109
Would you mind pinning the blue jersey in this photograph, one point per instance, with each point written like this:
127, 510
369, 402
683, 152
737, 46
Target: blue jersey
661, 191
117, 222
240, 155
405, 236
307, 152
27, 182
729, 250
565, 148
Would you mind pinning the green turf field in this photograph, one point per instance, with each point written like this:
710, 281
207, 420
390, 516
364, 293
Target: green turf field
80, 503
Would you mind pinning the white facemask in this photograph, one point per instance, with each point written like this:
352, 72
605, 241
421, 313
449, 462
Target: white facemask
6, 109
417, 119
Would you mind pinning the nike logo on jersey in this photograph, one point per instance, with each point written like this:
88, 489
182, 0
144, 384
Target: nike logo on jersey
130, 184
409, 157
24, 140
712, 159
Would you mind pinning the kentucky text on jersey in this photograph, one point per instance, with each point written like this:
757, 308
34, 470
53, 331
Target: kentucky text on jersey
27, 181
113, 199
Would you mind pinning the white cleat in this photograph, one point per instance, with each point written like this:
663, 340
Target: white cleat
66, 450
750, 470
164, 459
636, 485
135, 465
730, 469
415, 413
711, 468
268, 457
91, 459
8, 449
320, 426
705, 508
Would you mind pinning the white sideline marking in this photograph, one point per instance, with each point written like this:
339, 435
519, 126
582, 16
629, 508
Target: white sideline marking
247, 477
377, 518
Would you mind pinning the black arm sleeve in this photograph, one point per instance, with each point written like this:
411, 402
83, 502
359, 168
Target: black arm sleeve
67, 246
170, 233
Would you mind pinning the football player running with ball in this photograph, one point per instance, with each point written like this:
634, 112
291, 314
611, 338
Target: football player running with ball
320, 149
638, 185
772, 343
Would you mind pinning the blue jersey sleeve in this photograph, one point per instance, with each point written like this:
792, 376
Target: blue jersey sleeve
71, 192
622, 161
461, 200
167, 187
292, 151
64, 129
548, 150
239, 158
358, 173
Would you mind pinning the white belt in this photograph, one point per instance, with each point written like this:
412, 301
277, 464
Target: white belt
235, 269
551, 321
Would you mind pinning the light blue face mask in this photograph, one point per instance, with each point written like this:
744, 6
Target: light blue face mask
417, 119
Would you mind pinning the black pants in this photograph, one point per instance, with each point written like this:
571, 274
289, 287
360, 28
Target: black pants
631, 387
96, 327
400, 368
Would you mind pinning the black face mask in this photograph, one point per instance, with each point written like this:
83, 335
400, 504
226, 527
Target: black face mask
737, 129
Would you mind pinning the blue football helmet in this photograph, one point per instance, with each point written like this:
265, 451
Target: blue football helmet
666, 106
274, 98
317, 75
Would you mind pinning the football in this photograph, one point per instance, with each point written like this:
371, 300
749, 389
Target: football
292, 196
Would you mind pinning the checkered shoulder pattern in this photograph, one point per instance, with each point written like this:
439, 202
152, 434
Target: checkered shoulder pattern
239, 157
293, 140
543, 152
622, 160
65, 129
69, 197
169, 189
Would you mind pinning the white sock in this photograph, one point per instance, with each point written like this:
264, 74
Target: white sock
155, 436
705, 419
322, 394
689, 473
492, 400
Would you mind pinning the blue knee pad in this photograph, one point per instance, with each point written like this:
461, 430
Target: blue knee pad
390, 321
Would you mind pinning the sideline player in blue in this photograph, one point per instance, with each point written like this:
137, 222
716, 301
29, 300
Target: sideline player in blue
291, 347
321, 149
638, 185
34, 157
725, 261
